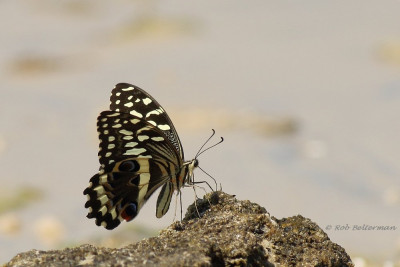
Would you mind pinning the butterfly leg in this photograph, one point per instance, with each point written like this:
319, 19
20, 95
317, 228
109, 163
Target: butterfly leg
194, 184
201, 182
180, 200
202, 188
176, 203
209, 175
195, 200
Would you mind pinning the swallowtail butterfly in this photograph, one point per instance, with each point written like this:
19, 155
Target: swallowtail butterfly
140, 151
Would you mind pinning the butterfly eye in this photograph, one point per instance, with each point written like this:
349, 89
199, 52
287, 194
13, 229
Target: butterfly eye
196, 163
129, 166
130, 211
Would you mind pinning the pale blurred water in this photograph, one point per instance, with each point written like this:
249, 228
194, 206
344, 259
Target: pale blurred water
318, 63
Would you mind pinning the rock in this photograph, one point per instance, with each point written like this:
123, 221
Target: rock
229, 232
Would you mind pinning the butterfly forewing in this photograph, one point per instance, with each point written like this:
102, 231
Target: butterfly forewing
127, 98
124, 136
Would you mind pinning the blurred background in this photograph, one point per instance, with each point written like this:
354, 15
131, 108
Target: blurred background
306, 95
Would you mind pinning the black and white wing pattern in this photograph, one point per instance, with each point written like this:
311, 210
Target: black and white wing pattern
139, 152
127, 98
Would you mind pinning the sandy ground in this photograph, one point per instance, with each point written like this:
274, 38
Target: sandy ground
307, 96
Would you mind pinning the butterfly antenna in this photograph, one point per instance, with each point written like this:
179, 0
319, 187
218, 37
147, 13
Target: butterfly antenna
198, 152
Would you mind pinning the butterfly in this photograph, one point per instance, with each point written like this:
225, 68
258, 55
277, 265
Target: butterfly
139, 152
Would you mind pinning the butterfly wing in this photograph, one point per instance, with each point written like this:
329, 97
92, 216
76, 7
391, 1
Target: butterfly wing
136, 158
128, 98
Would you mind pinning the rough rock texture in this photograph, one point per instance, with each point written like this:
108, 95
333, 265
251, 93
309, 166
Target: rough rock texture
229, 232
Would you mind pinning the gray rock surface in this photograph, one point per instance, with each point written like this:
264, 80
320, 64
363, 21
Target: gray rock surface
229, 232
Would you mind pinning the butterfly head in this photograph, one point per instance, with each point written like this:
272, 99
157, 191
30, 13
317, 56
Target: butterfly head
194, 164
191, 165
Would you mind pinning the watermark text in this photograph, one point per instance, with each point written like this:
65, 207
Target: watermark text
359, 227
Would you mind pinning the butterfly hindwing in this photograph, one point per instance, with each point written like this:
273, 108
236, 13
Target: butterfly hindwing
120, 194
109, 195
